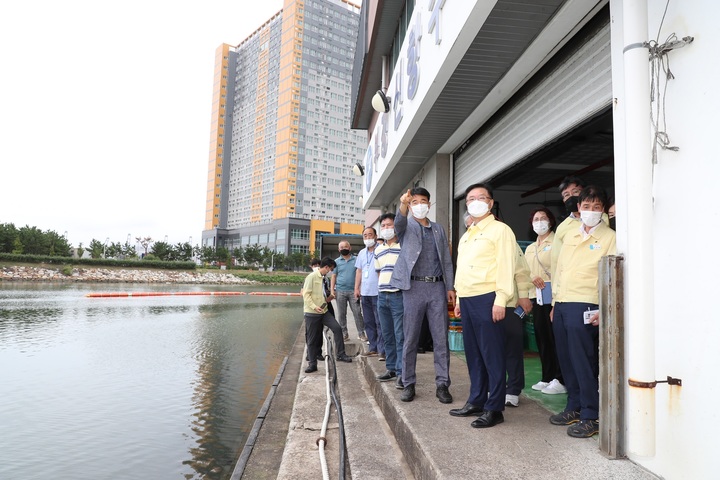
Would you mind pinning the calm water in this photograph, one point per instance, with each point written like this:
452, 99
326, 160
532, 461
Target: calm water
134, 388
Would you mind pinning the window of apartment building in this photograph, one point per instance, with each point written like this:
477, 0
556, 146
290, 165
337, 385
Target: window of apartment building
299, 234
299, 249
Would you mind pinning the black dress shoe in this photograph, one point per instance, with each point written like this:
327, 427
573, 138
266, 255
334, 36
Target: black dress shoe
398, 383
387, 376
321, 357
466, 411
344, 358
487, 419
420, 350
443, 394
311, 368
408, 393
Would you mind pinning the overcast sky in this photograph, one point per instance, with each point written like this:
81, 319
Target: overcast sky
105, 113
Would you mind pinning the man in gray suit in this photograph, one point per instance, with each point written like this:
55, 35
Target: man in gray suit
424, 273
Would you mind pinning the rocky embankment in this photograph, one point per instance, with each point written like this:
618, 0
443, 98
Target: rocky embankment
40, 274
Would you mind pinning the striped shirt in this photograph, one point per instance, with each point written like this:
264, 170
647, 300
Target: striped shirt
385, 258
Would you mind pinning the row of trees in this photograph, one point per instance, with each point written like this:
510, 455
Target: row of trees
33, 241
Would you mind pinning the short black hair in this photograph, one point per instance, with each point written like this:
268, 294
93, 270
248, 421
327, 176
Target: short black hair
327, 262
385, 216
315, 262
486, 186
569, 180
420, 191
593, 192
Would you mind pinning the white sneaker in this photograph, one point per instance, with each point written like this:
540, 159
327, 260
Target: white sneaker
512, 400
540, 385
555, 388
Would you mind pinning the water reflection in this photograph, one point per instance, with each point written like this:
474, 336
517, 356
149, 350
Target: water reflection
156, 387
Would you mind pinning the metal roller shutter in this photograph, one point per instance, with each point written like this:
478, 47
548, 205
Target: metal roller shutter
573, 92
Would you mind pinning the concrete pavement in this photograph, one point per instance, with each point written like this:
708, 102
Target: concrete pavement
387, 438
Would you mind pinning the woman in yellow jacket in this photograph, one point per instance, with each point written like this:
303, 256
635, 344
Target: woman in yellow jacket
538, 257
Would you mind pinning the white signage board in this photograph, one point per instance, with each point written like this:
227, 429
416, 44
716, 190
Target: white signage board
437, 38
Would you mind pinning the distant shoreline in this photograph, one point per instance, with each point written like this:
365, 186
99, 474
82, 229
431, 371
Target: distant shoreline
106, 275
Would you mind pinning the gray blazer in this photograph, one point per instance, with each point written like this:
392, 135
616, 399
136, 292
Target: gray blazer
409, 233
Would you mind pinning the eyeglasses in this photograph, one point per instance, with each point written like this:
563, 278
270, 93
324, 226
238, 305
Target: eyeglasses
482, 198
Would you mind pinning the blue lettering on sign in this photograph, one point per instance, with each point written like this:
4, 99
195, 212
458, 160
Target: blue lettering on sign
368, 168
398, 100
383, 136
413, 58
435, 6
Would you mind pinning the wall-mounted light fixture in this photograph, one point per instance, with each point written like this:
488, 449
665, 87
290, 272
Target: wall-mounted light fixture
380, 102
358, 169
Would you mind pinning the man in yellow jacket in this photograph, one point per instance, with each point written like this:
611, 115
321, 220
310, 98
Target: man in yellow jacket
575, 312
315, 309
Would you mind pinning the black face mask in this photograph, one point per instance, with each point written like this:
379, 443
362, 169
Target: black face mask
344, 252
611, 223
571, 204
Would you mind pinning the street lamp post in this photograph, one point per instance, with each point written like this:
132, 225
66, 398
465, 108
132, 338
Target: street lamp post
107, 239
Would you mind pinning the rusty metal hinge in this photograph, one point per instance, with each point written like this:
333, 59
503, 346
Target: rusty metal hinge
669, 381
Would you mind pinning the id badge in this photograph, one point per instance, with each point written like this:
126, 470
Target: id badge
367, 273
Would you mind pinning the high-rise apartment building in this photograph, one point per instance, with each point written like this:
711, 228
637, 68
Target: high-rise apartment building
281, 149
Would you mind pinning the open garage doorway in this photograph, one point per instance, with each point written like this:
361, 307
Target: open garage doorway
586, 152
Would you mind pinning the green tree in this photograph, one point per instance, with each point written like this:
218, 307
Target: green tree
253, 255
162, 250
17, 246
183, 251
8, 234
223, 255
129, 251
59, 246
238, 255
80, 250
96, 248
33, 241
206, 254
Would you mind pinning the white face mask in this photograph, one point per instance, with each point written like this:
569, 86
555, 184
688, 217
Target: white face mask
478, 208
387, 233
420, 210
315, 269
369, 242
590, 218
541, 227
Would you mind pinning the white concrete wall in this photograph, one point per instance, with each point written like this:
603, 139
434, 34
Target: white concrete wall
686, 226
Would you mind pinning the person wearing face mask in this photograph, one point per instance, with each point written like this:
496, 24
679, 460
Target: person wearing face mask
575, 314
537, 255
315, 310
570, 189
366, 289
485, 284
611, 214
390, 301
342, 285
424, 273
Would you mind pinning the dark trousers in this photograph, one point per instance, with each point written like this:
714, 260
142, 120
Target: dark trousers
577, 349
545, 339
514, 351
484, 343
372, 324
319, 339
314, 323
426, 299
